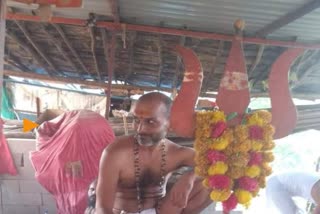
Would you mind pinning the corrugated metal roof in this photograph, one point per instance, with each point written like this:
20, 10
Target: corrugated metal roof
219, 15
202, 15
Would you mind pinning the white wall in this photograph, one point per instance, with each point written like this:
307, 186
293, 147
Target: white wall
22, 194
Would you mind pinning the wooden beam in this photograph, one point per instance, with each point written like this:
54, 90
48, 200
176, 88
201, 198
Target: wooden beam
3, 5
288, 18
109, 51
14, 61
36, 47
111, 58
93, 50
178, 62
106, 55
131, 56
160, 60
62, 80
162, 30
257, 60
27, 48
58, 45
73, 51
115, 10
215, 65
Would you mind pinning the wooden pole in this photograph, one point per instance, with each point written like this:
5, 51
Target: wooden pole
3, 6
38, 105
110, 60
92, 84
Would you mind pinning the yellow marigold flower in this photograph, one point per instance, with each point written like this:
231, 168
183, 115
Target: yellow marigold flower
228, 134
241, 133
205, 132
266, 169
269, 145
201, 160
205, 183
252, 171
262, 181
218, 116
201, 146
254, 119
220, 195
256, 145
265, 115
243, 196
268, 157
239, 159
268, 132
228, 151
236, 172
243, 146
255, 193
218, 168
219, 144
201, 171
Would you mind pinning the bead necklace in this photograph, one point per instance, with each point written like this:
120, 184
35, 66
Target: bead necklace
137, 171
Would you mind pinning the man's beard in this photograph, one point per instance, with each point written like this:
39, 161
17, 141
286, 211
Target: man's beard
92, 201
147, 140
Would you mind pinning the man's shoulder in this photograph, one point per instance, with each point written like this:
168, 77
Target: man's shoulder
175, 146
121, 143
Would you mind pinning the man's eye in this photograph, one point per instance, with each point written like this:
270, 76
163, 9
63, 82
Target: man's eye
151, 121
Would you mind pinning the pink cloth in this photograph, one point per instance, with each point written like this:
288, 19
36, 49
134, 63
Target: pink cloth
6, 163
74, 138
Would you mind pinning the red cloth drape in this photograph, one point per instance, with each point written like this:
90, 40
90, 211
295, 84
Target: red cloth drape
6, 163
76, 137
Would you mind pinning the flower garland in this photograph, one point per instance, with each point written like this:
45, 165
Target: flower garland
234, 161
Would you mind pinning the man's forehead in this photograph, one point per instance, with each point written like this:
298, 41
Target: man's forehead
149, 109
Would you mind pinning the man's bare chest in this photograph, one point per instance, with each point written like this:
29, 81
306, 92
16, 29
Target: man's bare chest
150, 173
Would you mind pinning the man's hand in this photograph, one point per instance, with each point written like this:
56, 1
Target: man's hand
180, 191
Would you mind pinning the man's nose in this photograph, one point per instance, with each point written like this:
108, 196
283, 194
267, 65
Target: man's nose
140, 127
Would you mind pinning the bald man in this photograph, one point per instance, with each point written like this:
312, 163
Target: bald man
134, 170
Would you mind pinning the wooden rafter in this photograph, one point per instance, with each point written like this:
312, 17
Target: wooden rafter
73, 51
64, 80
27, 48
115, 10
163, 30
36, 47
257, 60
160, 60
216, 61
131, 56
58, 45
288, 18
13, 60
93, 50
